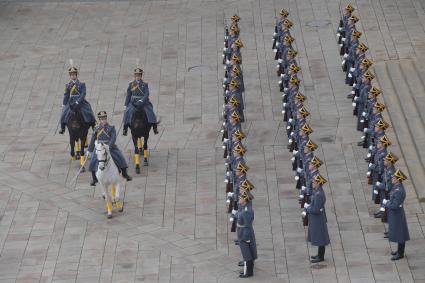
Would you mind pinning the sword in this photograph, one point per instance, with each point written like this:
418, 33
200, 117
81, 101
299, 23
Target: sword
57, 126
79, 171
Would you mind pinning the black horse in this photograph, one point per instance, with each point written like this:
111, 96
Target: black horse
140, 128
78, 130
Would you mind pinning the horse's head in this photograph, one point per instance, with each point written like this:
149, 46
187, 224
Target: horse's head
102, 154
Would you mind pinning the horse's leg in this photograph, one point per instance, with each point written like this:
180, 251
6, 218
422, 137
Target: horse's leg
77, 147
107, 200
136, 152
113, 192
118, 202
82, 157
72, 144
145, 151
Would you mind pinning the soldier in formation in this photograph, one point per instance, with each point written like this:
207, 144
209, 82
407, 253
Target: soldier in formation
387, 182
238, 188
305, 163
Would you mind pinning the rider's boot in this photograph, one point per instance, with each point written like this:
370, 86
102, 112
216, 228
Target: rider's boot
62, 130
94, 179
125, 175
155, 128
125, 130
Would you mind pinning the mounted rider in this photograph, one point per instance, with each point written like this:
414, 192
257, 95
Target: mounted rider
106, 133
138, 97
74, 100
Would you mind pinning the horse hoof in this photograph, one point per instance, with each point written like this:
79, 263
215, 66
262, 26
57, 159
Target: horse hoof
145, 163
83, 170
137, 170
109, 216
121, 210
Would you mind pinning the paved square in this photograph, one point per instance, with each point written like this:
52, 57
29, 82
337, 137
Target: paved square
174, 227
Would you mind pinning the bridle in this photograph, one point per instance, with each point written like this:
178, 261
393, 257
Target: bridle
106, 160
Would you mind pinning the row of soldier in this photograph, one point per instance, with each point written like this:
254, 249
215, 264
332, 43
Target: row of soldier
387, 183
305, 164
238, 188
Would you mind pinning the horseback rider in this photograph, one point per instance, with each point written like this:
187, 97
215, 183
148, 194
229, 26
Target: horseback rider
74, 100
106, 133
137, 97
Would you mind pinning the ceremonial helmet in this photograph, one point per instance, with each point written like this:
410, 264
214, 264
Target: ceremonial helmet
234, 83
102, 115
234, 101
294, 68
379, 106
236, 58
247, 185
362, 47
239, 135
391, 157
303, 111
316, 162
72, 69
246, 196
369, 76
311, 145
234, 28
385, 140
284, 13
306, 129
288, 39
399, 175
356, 34
292, 53
295, 81
239, 148
381, 124
366, 62
235, 115
374, 90
236, 70
287, 23
354, 19
238, 43
300, 97
319, 180
242, 167
235, 18
349, 8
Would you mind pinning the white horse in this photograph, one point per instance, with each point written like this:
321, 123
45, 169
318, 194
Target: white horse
108, 175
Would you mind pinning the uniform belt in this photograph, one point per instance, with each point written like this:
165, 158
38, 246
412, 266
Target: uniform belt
241, 226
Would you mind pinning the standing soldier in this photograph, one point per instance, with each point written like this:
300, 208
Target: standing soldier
74, 99
397, 224
283, 14
106, 133
317, 226
246, 236
138, 97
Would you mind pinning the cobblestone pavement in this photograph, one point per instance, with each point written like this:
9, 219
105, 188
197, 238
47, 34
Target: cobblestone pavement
174, 227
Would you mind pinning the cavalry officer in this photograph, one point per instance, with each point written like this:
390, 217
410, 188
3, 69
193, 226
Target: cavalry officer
397, 224
246, 236
74, 99
138, 98
106, 133
317, 226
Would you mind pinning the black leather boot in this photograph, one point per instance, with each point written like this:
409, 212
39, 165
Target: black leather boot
155, 128
62, 130
248, 269
125, 175
400, 252
320, 255
125, 130
94, 179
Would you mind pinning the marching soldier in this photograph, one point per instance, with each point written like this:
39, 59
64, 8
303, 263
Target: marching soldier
398, 231
246, 236
138, 98
317, 227
74, 99
106, 133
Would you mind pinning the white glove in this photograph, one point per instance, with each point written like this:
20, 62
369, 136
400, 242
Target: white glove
292, 134
234, 211
338, 34
370, 147
354, 84
284, 105
301, 196
356, 98
382, 209
375, 192
290, 141
303, 188
274, 34
369, 155
288, 127
223, 147
343, 39
370, 164
343, 61
226, 181
353, 92
231, 219
362, 121
88, 154
277, 66
306, 205
352, 69
354, 104
275, 50
363, 137
225, 140
285, 89
297, 178
227, 201
368, 173
294, 152
384, 201
225, 67
299, 170
350, 75
378, 183
279, 82
304, 213
277, 44
345, 55
224, 48
283, 111
279, 60
363, 114
290, 120
227, 173
283, 75
364, 130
